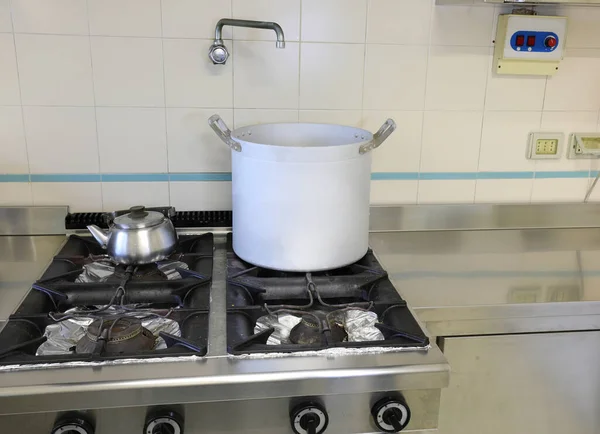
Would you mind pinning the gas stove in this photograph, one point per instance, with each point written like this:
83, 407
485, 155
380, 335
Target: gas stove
207, 334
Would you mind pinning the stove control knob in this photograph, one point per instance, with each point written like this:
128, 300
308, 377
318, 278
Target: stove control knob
72, 424
163, 422
391, 414
309, 418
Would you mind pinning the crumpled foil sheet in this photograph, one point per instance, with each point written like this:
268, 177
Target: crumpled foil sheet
100, 271
283, 325
64, 335
330, 353
62, 365
168, 268
97, 271
358, 323
360, 326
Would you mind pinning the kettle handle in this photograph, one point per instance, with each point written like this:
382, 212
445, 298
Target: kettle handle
379, 137
224, 133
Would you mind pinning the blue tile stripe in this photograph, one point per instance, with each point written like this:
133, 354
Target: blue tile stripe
226, 176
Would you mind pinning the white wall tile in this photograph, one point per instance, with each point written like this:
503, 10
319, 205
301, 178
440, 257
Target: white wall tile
128, 71
5, 18
559, 190
264, 76
455, 191
65, 17
124, 195
334, 20
352, 118
127, 135
395, 77
80, 197
286, 13
15, 193
567, 122
201, 196
504, 140
456, 78
245, 117
399, 21
462, 25
193, 145
9, 78
331, 76
194, 18
393, 192
13, 151
401, 151
125, 17
61, 139
513, 92
191, 79
451, 141
55, 70
582, 30
575, 86
503, 190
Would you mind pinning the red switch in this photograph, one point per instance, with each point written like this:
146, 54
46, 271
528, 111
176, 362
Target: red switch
550, 42
530, 41
520, 41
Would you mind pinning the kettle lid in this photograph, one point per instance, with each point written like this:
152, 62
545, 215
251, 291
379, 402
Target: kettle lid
138, 218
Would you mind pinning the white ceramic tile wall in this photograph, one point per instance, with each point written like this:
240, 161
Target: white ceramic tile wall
92, 87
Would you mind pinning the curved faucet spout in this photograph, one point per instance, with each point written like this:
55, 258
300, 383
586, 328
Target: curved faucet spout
269, 25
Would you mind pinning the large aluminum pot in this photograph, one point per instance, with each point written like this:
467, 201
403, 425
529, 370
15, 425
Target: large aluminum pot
140, 236
300, 193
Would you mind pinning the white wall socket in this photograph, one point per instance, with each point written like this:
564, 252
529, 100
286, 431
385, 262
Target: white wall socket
545, 146
584, 145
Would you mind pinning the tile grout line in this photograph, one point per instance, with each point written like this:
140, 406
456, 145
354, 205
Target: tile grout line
362, 95
299, 61
14, 38
89, 36
162, 53
427, 65
489, 73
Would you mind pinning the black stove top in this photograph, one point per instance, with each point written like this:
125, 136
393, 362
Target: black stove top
101, 304
180, 294
320, 301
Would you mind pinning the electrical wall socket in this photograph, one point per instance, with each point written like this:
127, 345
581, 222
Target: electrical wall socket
584, 145
545, 146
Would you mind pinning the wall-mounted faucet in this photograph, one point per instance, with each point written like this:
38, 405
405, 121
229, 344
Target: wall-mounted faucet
218, 52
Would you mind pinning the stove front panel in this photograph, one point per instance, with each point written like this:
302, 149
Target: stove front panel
348, 414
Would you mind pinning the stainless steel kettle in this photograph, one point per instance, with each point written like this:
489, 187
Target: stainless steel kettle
140, 236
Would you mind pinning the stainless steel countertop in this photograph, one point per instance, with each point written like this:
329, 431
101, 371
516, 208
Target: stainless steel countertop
501, 281
22, 261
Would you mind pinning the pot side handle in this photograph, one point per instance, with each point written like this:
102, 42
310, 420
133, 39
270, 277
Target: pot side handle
224, 133
379, 137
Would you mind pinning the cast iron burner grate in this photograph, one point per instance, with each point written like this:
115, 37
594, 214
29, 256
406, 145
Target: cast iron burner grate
254, 292
141, 289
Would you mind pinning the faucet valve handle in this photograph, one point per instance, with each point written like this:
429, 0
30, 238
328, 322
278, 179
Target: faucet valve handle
218, 53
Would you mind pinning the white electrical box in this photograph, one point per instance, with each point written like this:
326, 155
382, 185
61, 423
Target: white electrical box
545, 146
584, 145
529, 44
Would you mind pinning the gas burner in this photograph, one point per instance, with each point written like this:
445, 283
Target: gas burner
178, 288
354, 306
121, 335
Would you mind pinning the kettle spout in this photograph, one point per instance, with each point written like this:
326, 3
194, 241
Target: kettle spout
100, 236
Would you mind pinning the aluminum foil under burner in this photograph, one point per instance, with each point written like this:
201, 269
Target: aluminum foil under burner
121, 335
104, 270
64, 335
351, 325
